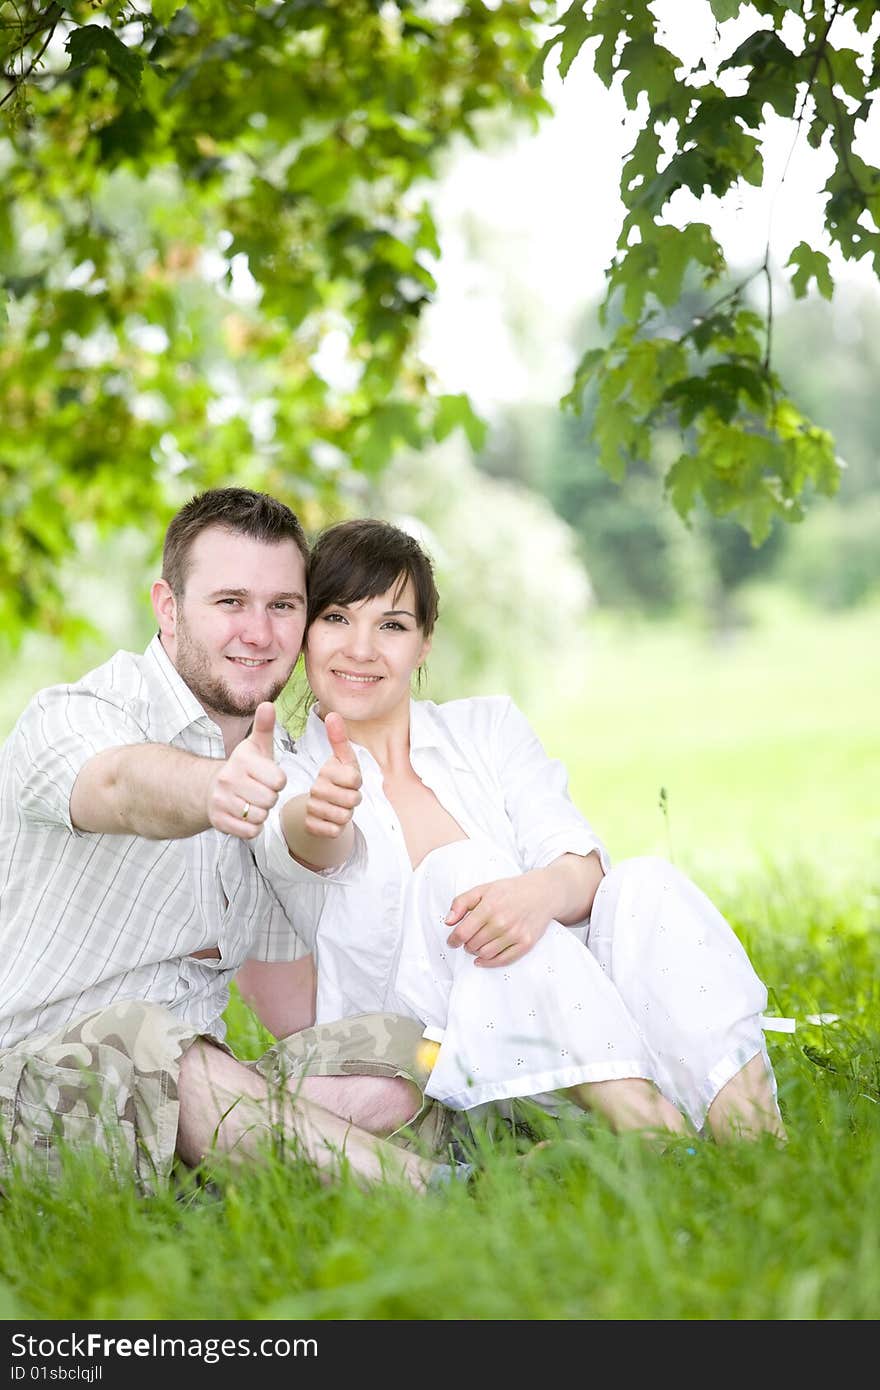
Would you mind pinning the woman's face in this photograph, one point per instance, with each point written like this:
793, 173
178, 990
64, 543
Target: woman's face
360, 659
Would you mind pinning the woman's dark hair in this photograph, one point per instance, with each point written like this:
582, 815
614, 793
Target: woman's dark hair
356, 560
236, 509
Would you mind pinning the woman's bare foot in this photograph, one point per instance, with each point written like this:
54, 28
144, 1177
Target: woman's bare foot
745, 1108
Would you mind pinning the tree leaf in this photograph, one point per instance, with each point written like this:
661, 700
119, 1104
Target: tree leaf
454, 412
725, 9
577, 28
810, 265
586, 369
92, 43
683, 482
165, 10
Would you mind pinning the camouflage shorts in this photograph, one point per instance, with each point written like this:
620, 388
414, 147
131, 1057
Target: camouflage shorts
366, 1045
109, 1080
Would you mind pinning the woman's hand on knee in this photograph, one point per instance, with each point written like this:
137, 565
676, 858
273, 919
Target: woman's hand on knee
500, 922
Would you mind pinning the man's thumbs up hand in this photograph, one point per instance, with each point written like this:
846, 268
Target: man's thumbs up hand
336, 789
246, 785
263, 731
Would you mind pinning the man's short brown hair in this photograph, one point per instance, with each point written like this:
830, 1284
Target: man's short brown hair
235, 509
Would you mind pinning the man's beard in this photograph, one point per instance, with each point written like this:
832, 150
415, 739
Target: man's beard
213, 694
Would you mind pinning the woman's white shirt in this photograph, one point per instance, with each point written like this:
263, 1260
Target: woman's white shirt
487, 768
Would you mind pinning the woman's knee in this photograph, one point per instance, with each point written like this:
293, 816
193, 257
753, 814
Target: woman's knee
459, 866
630, 887
649, 871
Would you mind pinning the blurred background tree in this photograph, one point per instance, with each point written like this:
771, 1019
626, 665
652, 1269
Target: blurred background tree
214, 250
708, 384
219, 241
641, 556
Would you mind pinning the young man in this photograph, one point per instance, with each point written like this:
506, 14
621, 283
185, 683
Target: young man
132, 805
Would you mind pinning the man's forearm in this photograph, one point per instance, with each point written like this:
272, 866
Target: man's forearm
314, 851
144, 789
572, 882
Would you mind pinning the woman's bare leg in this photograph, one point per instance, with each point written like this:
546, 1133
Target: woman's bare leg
745, 1108
631, 1104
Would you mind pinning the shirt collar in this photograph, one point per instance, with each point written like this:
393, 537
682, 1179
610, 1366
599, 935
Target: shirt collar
426, 731
175, 707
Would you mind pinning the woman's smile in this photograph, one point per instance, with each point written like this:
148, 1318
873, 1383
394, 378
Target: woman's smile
355, 678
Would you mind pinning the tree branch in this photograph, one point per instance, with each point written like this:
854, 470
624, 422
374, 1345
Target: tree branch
49, 18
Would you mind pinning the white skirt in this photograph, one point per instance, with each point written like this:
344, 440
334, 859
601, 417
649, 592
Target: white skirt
661, 990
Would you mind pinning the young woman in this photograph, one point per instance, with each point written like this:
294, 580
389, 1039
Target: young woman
456, 882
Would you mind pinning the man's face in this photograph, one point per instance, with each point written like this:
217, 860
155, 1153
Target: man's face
235, 633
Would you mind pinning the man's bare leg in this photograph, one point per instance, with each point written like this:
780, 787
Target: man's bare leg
378, 1104
745, 1108
226, 1108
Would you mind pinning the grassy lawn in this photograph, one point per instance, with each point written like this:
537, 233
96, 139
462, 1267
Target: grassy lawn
768, 744
603, 1229
768, 748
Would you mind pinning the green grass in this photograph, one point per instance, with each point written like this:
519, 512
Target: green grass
768, 750
768, 744
602, 1229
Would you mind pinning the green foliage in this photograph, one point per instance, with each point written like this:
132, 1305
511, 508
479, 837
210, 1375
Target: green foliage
640, 556
810, 265
747, 449
214, 252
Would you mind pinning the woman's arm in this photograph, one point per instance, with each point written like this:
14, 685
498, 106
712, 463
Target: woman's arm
545, 821
571, 882
562, 858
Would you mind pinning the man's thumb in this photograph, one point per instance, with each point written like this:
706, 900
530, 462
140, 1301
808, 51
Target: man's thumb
338, 736
263, 728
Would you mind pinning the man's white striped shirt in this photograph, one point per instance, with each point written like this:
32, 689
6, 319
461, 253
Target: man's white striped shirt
88, 919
